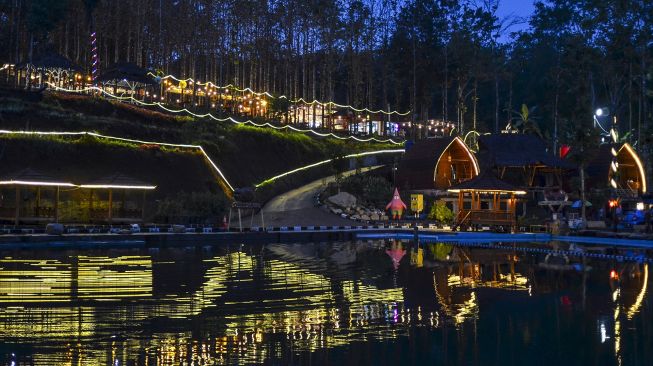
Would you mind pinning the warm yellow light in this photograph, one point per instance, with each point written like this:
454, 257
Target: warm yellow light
35, 183
115, 186
638, 162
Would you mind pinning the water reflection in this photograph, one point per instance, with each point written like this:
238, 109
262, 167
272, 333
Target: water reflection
321, 303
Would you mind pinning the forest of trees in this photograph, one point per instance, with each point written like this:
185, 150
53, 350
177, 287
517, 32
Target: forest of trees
446, 59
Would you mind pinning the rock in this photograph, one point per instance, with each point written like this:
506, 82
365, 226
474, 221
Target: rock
54, 229
355, 217
365, 218
336, 211
384, 218
374, 217
343, 199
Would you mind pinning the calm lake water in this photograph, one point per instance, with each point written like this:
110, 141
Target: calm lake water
378, 302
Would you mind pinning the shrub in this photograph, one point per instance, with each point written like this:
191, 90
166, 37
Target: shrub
441, 213
196, 207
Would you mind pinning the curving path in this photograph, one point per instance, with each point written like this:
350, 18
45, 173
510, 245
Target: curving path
296, 207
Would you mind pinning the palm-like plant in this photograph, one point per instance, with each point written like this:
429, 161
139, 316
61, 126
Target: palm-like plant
524, 122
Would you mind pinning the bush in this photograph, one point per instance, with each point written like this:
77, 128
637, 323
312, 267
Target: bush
441, 213
193, 208
370, 190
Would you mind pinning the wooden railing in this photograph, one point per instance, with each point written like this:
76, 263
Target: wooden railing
485, 217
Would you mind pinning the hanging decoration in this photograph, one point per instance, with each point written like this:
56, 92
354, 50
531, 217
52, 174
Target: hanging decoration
95, 61
227, 119
267, 94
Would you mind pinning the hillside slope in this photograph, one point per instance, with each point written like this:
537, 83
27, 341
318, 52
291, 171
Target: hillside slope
247, 155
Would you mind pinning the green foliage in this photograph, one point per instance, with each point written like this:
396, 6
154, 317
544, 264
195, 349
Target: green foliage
279, 107
440, 251
441, 213
195, 207
369, 189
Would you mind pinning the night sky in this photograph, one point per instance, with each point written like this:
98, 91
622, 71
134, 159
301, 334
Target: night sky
516, 8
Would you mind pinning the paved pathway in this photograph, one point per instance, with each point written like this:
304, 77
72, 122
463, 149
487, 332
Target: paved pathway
296, 207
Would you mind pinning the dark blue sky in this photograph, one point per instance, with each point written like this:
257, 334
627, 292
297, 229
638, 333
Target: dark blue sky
516, 8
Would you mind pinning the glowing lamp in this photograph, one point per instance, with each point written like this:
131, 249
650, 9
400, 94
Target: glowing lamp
614, 275
640, 206
599, 112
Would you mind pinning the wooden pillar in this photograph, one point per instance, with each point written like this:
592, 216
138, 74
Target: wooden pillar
110, 205
122, 203
17, 205
90, 205
56, 205
143, 206
37, 212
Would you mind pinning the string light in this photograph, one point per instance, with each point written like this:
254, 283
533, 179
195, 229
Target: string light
270, 180
36, 183
300, 100
141, 142
94, 58
115, 186
227, 119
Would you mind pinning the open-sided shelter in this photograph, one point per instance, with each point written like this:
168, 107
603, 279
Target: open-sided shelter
522, 160
49, 67
486, 200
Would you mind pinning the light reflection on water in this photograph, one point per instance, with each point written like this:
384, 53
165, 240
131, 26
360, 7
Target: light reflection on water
346, 303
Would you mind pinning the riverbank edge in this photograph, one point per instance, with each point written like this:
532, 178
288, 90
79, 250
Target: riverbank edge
162, 240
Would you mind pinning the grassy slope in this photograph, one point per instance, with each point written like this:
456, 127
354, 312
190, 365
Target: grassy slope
247, 155
86, 159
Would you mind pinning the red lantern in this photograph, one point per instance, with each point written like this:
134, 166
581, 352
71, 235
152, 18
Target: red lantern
564, 150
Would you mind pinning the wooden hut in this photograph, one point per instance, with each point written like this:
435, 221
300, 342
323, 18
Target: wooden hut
35, 196
630, 176
436, 164
126, 207
486, 201
522, 160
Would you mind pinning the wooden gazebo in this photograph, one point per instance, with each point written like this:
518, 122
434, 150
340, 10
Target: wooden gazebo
116, 209
486, 201
523, 160
50, 67
39, 211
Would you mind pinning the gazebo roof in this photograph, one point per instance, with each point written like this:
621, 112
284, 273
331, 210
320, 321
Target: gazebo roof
486, 182
518, 150
30, 177
52, 60
118, 181
126, 71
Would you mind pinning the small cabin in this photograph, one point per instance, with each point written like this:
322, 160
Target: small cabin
630, 176
436, 164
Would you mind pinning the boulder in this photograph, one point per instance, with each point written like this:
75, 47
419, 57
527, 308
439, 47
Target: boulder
384, 218
342, 199
365, 218
336, 211
54, 229
374, 217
